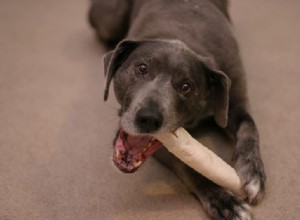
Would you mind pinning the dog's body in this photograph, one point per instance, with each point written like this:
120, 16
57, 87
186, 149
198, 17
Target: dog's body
179, 64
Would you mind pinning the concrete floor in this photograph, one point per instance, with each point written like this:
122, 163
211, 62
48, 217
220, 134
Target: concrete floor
56, 132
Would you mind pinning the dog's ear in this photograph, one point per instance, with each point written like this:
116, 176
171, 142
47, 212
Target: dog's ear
106, 60
114, 59
220, 85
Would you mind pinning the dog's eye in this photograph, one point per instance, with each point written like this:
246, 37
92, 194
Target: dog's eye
185, 88
142, 69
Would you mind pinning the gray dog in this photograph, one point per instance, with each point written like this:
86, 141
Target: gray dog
178, 64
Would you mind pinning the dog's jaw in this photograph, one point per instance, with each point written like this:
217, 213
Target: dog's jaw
131, 151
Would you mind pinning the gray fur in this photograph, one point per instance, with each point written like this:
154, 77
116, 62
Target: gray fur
183, 40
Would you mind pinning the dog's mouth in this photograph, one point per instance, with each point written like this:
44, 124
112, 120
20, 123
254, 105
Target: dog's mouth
131, 151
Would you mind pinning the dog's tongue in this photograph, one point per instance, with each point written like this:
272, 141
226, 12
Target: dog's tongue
131, 151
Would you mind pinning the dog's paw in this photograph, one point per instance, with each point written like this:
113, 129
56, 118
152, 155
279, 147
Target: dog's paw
222, 205
253, 178
254, 190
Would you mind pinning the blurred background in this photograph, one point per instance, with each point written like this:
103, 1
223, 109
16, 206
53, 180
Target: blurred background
56, 131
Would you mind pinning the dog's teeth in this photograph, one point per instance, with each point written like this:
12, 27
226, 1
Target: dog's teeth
137, 164
145, 149
118, 155
149, 144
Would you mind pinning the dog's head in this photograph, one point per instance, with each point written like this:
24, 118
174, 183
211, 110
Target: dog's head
160, 85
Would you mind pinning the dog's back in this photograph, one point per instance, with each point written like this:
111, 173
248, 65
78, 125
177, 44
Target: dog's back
201, 24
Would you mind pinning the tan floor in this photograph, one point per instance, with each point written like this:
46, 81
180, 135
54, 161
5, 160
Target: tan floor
55, 131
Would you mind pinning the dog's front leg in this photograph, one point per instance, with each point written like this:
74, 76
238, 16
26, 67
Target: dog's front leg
217, 202
248, 163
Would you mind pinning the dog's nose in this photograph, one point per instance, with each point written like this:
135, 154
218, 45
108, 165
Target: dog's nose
148, 120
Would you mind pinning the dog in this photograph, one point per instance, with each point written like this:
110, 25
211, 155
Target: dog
175, 63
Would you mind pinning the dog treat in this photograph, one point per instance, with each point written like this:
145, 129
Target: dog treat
200, 158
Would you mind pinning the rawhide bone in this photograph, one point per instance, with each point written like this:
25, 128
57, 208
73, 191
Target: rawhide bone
200, 158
